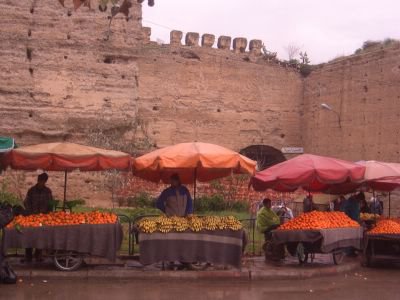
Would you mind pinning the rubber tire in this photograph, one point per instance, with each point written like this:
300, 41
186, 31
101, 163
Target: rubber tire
301, 254
338, 257
76, 257
200, 266
368, 261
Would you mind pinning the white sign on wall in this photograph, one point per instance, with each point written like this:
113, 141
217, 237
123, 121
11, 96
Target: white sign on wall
292, 150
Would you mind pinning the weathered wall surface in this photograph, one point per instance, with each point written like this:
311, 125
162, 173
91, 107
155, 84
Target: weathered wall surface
193, 93
365, 90
58, 73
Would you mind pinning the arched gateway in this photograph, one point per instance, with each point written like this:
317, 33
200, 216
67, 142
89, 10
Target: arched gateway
265, 156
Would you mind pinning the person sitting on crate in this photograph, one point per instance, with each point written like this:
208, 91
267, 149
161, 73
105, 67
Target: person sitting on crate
37, 201
175, 200
268, 220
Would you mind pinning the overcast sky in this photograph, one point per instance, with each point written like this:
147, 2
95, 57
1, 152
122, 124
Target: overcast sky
324, 28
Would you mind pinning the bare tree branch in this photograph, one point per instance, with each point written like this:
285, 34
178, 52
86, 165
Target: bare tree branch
292, 50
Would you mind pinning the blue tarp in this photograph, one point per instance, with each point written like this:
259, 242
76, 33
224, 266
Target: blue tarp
6, 144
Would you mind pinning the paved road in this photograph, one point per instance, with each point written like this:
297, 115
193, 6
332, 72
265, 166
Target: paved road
376, 284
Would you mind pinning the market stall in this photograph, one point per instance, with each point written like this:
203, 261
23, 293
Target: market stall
210, 239
66, 236
382, 242
314, 232
319, 232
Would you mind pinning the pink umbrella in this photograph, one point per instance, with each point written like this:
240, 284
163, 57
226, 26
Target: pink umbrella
311, 172
379, 170
382, 176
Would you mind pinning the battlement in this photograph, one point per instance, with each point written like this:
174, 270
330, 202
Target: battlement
238, 45
192, 39
253, 51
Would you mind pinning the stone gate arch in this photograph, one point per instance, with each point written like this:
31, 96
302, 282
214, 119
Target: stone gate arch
265, 156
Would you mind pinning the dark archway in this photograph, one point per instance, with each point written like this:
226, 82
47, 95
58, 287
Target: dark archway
265, 156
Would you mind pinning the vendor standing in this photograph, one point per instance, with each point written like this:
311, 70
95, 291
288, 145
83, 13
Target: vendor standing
175, 200
352, 206
37, 201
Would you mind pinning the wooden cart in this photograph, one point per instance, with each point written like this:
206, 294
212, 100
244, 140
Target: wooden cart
306, 243
381, 247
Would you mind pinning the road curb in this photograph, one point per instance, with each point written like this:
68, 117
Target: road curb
270, 273
301, 273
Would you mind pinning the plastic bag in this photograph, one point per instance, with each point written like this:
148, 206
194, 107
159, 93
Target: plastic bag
7, 275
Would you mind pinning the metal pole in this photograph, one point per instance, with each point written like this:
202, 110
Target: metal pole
253, 225
389, 204
373, 195
194, 186
65, 189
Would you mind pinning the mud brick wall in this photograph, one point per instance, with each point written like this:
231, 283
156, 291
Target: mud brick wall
227, 95
59, 74
365, 91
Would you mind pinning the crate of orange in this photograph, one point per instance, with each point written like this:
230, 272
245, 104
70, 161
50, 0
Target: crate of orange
319, 232
67, 237
382, 242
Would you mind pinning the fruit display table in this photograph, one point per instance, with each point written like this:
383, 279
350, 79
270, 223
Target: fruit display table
202, 239
381, 247
333, 240
327, 239
220, 247
319, 232
383, 241
102, 240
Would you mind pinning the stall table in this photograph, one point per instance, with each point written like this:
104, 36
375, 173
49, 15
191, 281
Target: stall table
381, 247
220, 247
332, 241
102, 240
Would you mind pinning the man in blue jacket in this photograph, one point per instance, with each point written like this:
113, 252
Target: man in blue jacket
352, 206
175, 200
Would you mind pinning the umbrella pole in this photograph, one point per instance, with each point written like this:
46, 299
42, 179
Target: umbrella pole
389, 204
65, 190
194, 186
373, 195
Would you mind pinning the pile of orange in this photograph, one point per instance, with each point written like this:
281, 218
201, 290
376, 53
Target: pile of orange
316, 220
386, 226
60, 218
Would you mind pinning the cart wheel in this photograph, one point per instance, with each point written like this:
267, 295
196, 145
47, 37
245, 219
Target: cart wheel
301, 253
338, 257
67, 260
367, 260
200, 266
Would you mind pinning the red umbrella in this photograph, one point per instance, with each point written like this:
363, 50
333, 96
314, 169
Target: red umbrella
311, 172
